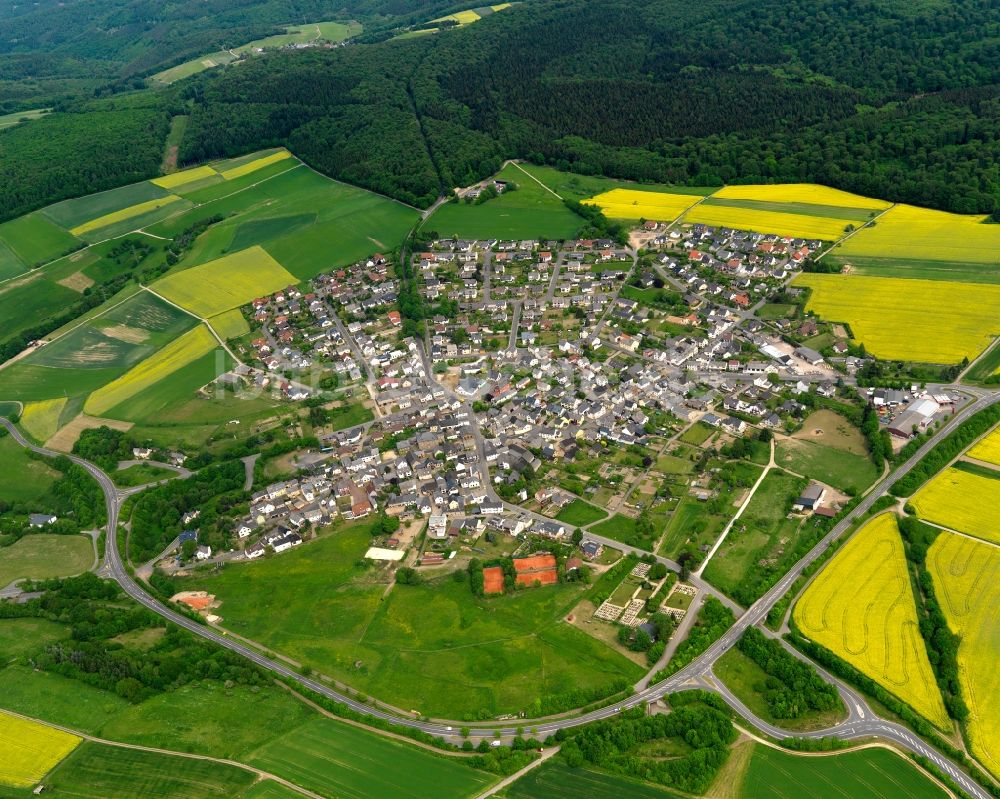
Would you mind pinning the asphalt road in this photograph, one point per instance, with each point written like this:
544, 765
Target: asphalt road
862, 722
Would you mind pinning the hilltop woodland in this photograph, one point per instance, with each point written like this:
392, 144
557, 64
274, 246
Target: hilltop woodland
895, 102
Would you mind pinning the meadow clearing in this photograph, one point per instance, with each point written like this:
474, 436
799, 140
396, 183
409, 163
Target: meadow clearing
43, 555
226, 283
640, 204
987, 448
966, 577
30, 750
435, 648
871, 773
191, 346
338, 760
962, 501
957, 320
861, 608
529, 212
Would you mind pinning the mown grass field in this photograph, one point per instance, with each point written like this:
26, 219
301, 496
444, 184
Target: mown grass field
188, 348
839, 468
338, 760
42, 555
956, 320
30, 750
34, 240
529, 212
639, 204
861, 608
868, 773
966, 578
988, 448
962, 501
557, 781
805, 193
23, 479
435, 648
226, 283
579, 513
906, 232
97, 771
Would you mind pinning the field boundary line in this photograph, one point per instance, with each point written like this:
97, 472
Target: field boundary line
80, 323
201, 319
526, 172
960, 534
854, 232
261, 773
507, 781
983, 354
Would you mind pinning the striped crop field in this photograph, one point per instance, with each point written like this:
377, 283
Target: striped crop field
861, 608
41, 419
125, 213
184, 177
782, 223
230, 324
907, 232
176, 355
956, 320
962, 501
225, 283
966, 577
253, 166
988, 448
461, 17
638, 204
808, 193
30, 750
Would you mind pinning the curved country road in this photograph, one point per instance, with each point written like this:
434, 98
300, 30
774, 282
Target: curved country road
862, 721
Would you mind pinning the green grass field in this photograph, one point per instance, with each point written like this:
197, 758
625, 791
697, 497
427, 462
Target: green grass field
766, 536
35, 240
919, 268
869, 773
97, 771
805, 209
23, 479
140, 474
70, 213
691, 520
579, 187
269, 789
20, 636
839, 468
529, 212
557, 781
16, 118
29, 300
436, 648
579, 513
207, 718
697, 434
336, 759
52, 697
44, 555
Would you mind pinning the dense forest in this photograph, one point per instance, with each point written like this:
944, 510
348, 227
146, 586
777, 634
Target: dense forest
887, 99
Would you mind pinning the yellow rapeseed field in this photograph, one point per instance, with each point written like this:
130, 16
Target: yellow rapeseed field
253, 166
908, 232
800, 226
177, 354
811, 193
638, 204
29, 750
225, 283
861, 608
462, 17
962, 501
230, 324
954, 320
184, 177
966, 578
41, 419
988, 448
123, 214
